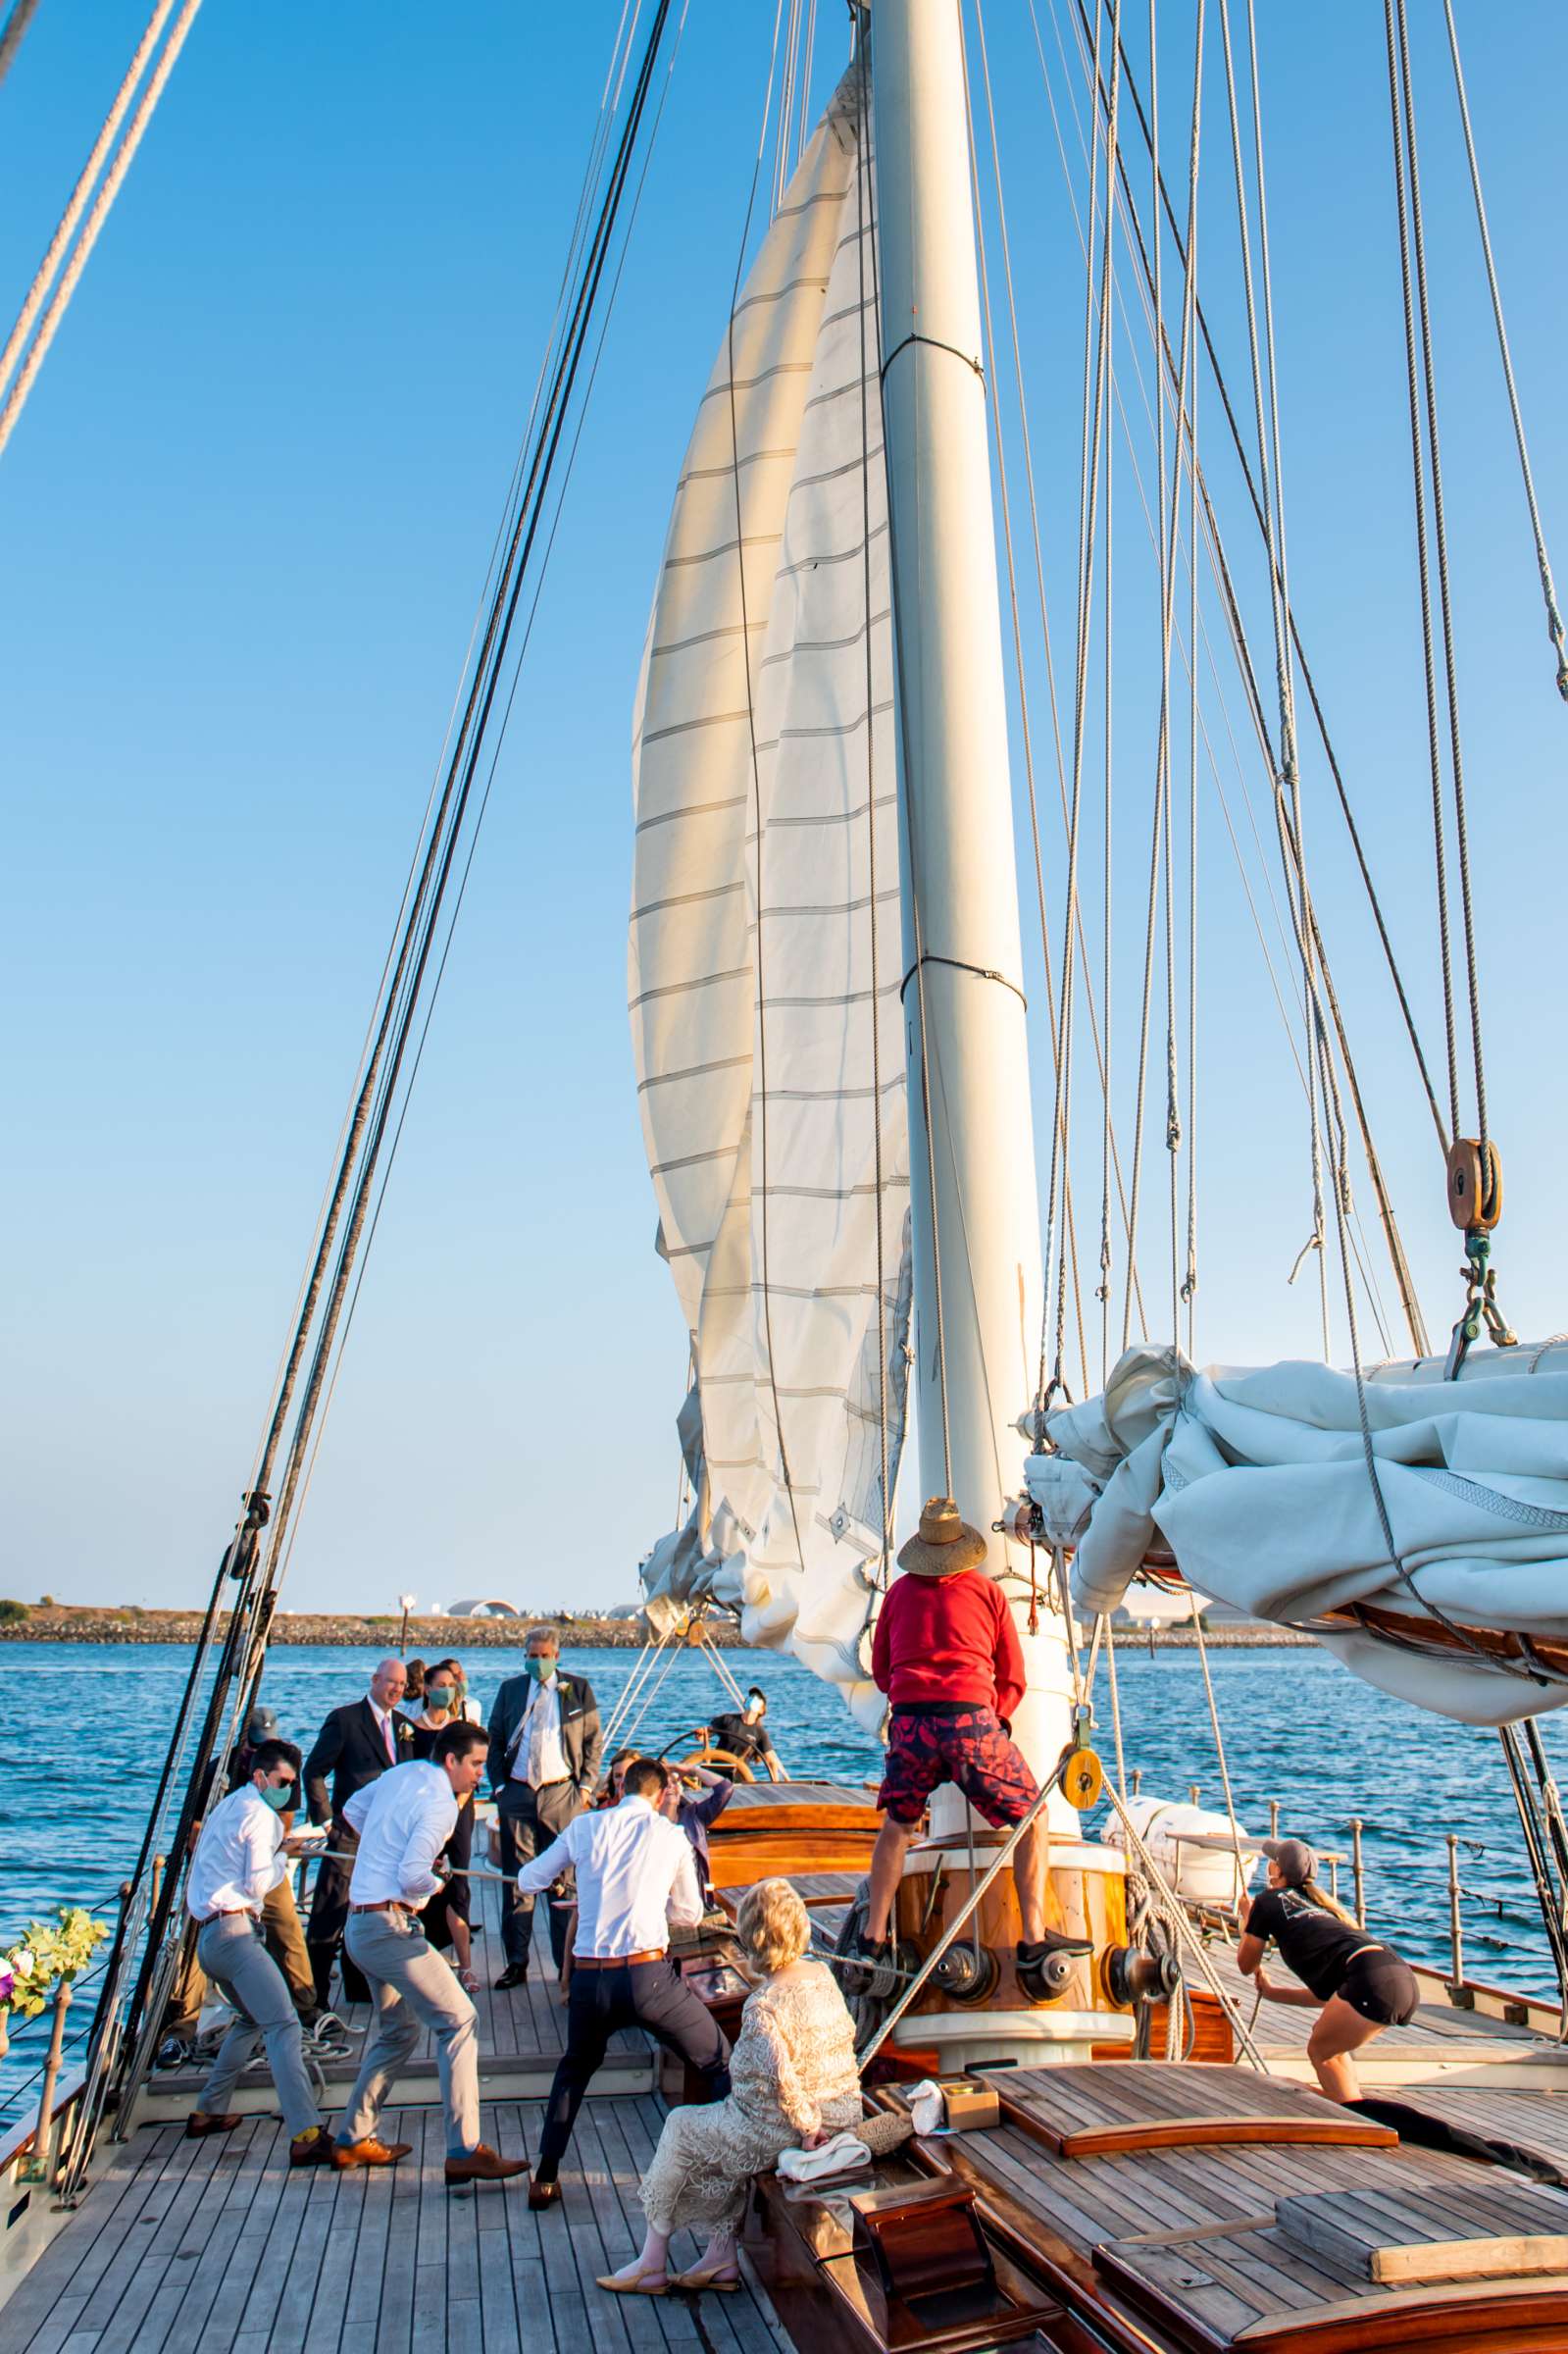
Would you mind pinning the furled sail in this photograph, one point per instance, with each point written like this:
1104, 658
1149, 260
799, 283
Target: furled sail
1258, 1482
763, 965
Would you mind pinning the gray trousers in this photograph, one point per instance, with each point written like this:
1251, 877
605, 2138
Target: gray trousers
412, 1986
234, 1955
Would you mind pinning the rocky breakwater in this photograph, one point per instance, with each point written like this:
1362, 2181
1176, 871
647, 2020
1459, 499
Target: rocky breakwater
46, 1623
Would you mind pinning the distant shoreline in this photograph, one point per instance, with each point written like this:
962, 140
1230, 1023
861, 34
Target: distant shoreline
430, 1638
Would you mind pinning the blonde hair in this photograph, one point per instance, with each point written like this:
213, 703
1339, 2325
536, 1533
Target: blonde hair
773, 1924
1324, 1901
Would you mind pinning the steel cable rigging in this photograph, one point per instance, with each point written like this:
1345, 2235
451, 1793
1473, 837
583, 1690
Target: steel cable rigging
404, 1004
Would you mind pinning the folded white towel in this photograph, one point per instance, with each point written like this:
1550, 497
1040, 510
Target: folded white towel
928, 2110
839, 2155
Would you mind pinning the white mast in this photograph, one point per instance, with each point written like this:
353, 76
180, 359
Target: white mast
971, 1132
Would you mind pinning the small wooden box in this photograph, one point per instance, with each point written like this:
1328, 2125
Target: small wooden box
920, 2241
971, 2105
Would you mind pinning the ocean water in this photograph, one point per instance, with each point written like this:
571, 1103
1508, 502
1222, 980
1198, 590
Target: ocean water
81, 1756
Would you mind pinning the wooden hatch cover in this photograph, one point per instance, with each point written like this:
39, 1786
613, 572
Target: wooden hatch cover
1512, 2231
1097, 2112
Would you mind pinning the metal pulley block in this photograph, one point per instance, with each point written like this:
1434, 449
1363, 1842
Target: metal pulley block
1475, 1185
1081, 1777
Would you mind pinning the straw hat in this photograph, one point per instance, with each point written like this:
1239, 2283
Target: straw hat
945, 1543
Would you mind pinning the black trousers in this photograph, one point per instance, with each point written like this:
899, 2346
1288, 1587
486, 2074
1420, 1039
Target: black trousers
644, 1994
528, 1820
328, 1917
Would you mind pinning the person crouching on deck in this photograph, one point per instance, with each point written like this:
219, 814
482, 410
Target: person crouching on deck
1358, 1984
947, 1653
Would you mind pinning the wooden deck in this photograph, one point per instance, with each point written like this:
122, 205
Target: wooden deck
218, 2244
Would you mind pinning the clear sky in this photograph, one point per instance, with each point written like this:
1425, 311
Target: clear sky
245, 523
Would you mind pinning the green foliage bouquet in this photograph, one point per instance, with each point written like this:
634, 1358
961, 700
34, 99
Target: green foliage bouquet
32, 1966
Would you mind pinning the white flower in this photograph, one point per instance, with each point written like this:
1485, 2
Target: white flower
23, 1960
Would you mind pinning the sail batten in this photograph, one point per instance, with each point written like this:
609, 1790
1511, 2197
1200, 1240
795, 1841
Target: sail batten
774, 1111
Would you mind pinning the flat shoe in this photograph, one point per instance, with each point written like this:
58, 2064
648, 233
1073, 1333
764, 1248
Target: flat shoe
542, 2194
370, 2152
197, 2126
640, 2284
703, 2277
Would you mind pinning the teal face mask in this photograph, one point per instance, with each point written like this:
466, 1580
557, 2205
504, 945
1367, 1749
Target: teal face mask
539, 1667
442, 1695
280, 1799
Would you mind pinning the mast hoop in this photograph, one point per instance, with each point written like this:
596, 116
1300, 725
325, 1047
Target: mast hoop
981, 972
936, 344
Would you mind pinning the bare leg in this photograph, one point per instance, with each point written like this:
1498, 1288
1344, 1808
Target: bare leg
1341, 2031
886, 1871
1031, 1863
718, 2256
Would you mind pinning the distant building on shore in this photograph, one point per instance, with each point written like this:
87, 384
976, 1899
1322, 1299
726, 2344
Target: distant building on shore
479, 1607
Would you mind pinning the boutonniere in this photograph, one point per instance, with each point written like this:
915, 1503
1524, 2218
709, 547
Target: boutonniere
405, 1735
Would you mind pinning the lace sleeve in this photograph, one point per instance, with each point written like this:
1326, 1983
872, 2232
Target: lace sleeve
797, 2098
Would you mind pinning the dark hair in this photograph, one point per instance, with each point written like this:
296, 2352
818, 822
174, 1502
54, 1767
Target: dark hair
457, 1740
643, 1778
445, 1668
415, 1671
267, 1755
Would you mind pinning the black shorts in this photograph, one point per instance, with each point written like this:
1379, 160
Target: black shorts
1381, 1987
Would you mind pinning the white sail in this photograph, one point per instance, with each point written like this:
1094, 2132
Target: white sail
1257, 1481
763, 781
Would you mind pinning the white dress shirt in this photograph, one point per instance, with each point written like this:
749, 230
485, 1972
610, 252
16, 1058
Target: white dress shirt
404, 1819
634, 1877
385, 1728
237, 1863
539, 1756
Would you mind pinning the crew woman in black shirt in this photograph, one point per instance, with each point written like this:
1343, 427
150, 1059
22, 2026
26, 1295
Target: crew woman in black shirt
1361, 1984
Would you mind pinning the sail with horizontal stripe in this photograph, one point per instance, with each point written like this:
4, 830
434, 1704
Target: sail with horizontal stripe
765, 935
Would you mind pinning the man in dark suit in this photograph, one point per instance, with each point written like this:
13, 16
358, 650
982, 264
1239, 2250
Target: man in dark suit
356, 1745
546, 1747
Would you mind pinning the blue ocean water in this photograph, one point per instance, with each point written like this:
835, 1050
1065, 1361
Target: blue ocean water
80, 1760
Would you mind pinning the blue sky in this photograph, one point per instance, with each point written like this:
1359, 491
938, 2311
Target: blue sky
245, 521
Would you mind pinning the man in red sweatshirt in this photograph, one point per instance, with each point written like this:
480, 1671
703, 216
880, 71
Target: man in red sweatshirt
947, 1653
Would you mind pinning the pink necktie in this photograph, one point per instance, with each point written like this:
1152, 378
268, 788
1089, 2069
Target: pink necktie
392, 1746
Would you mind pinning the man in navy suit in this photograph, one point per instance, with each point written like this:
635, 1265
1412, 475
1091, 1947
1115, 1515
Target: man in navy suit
545, 1746
356, 1745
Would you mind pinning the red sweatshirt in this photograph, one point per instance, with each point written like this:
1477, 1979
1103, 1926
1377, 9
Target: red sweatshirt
948, 1638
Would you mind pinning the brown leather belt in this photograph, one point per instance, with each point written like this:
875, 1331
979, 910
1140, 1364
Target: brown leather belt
652, 1953
391, 1904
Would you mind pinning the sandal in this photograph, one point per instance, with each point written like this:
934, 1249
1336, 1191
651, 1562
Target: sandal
637, 2284
726, 2278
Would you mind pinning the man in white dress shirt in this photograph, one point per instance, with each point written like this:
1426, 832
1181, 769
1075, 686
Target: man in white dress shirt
635, 1875
240, 1858
404, 1820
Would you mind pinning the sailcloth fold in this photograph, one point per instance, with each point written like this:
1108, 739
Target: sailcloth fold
1257, 1481
764, 962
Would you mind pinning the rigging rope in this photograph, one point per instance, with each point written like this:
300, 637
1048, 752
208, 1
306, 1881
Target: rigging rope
83, 188
114, 179
352, 1189
760, 1093
1096, 372
1554, 627
862, 209
20, 17
1412, 242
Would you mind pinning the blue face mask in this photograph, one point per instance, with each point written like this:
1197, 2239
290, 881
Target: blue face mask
280, 1799
540, 1669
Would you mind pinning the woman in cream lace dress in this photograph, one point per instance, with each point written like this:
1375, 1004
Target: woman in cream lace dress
792, 2082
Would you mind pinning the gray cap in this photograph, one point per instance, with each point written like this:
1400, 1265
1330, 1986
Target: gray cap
261, 1724
1295, 1859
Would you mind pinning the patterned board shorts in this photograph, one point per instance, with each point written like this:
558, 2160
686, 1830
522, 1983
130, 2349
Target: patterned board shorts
968, 1748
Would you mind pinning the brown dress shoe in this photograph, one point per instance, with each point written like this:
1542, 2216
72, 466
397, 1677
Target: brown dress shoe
314, 2148
369, 2152
542, 2194
197, 2124
484, 2165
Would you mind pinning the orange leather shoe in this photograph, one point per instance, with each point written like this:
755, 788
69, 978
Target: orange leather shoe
484, 2165
369, 2152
